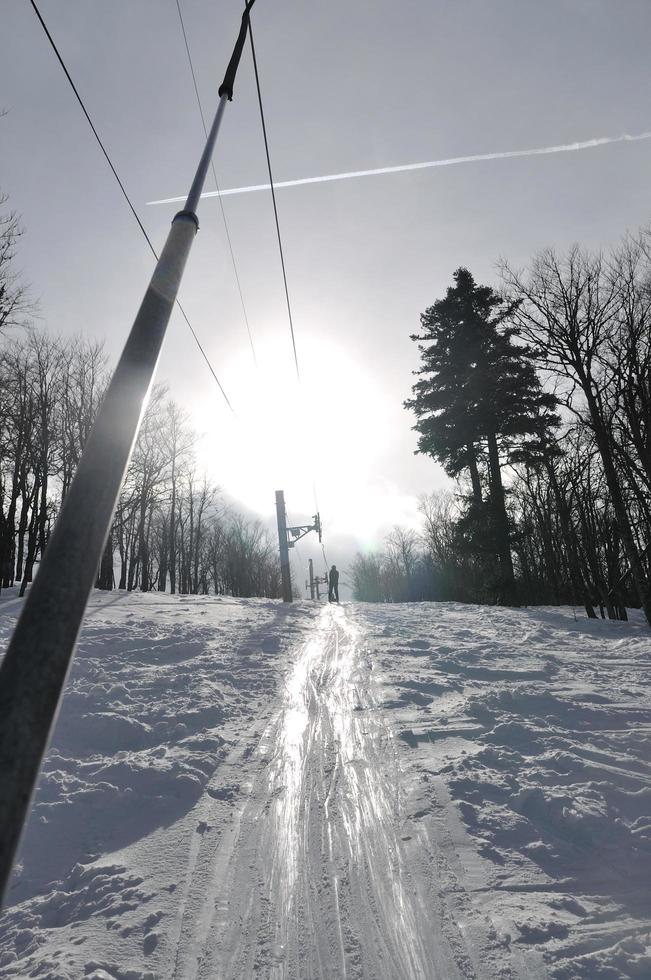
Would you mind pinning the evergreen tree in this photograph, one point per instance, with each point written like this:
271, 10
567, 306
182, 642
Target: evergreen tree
478, 401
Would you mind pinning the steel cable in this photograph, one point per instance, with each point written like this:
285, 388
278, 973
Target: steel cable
124, 192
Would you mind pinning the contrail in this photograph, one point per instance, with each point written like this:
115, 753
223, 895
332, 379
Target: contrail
428, 164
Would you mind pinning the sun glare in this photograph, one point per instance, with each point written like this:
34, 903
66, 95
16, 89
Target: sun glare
325, 433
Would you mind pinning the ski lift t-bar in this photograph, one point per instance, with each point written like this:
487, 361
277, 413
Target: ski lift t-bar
34, 671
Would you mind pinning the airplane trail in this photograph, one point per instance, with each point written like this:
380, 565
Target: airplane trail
426, 165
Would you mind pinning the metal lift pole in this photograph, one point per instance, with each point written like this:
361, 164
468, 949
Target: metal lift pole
281, 516
34, 671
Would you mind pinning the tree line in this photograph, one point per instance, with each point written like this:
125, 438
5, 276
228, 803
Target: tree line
172, 530
536, 398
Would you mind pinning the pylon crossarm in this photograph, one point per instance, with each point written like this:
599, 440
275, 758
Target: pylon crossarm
295, 534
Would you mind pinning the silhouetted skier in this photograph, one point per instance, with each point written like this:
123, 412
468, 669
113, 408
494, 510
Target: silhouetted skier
333, 585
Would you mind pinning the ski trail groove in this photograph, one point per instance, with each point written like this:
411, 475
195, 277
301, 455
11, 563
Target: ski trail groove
318, 885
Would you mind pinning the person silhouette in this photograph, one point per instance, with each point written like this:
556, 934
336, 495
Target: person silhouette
333, 585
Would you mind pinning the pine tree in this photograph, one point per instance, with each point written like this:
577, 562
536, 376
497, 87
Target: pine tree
478, 401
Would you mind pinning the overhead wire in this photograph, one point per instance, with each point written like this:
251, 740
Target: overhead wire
124, 191
273, 199
142, 228
214, 173
318, 510
279, 236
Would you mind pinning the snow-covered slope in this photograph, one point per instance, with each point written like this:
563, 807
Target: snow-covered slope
238, 789
536, 727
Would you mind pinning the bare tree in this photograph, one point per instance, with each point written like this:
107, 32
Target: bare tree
14, 300
570, 311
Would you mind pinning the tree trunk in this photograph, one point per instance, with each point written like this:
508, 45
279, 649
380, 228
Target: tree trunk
162, 564
122, 584
143, 550
172, 548
642, 586
32, 547
574, 566
105, 572
22, 529
474, 474
501, 524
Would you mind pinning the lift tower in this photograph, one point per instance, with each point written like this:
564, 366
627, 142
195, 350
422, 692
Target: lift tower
287, 538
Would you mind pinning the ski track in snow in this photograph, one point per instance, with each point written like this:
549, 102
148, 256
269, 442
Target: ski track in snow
333, 894
239, 789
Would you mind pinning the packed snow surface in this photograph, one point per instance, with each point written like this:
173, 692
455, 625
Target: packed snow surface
237, 789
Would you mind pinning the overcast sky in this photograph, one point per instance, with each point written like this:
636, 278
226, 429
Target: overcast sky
346, 87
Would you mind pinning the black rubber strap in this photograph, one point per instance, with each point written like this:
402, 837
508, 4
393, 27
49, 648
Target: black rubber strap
226, 87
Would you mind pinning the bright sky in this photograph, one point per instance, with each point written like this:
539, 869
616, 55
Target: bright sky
346, 88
